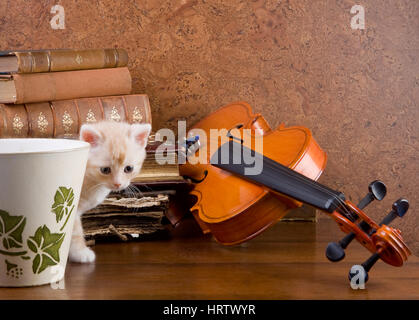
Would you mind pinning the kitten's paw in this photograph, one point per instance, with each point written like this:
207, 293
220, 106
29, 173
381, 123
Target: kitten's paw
85, 255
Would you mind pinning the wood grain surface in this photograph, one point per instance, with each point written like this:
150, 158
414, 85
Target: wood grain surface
285, 262
295, 61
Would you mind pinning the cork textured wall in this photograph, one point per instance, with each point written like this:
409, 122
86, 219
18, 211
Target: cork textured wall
295, 61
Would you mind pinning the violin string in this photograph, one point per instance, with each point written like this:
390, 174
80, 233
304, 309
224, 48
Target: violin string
314, 184
271, 163
310, 182
304, 179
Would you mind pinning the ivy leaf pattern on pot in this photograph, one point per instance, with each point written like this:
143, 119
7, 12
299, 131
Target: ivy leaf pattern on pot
11, 228
46, 246
13, 270
63, 204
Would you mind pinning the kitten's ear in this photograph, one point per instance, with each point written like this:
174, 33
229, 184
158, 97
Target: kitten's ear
140, 133
89, 134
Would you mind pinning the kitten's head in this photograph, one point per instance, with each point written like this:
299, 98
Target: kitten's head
117, 152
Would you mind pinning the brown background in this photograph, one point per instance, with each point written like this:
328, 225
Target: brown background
295, 61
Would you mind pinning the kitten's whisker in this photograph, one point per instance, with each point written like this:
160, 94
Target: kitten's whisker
129, 192
138, 195
136, 190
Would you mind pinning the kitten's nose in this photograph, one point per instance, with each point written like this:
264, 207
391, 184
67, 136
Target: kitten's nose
117, 185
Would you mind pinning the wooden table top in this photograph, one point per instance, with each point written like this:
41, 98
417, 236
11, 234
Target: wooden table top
285, 262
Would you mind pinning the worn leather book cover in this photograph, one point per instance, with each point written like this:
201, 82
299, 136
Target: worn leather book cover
64, 118
14, 121
40, 120
51, 86
33, 61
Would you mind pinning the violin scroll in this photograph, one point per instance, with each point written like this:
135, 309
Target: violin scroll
335, 251
386, 243
389, 242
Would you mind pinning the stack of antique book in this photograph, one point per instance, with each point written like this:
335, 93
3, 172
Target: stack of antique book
126, 216
51, 93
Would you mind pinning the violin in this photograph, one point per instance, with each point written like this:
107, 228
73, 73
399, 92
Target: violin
237, 199
232, 209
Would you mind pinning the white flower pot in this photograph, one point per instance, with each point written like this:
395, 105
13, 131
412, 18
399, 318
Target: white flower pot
40, 184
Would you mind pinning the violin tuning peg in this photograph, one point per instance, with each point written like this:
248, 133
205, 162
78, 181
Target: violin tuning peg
364, 268
358, 270
377, 191
335, 252
399, 209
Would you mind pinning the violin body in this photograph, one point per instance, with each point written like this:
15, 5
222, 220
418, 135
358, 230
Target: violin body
233, 209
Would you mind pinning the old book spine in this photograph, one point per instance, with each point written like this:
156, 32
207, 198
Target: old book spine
40, 119
59, 119
39, 87
67, 60
13, 121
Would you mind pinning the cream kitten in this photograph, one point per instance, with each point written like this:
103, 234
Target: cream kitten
116, 156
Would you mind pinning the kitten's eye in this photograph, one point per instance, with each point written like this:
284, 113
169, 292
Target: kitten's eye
105, 170
128, 169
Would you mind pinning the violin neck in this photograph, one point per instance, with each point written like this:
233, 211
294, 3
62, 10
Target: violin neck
276, 176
